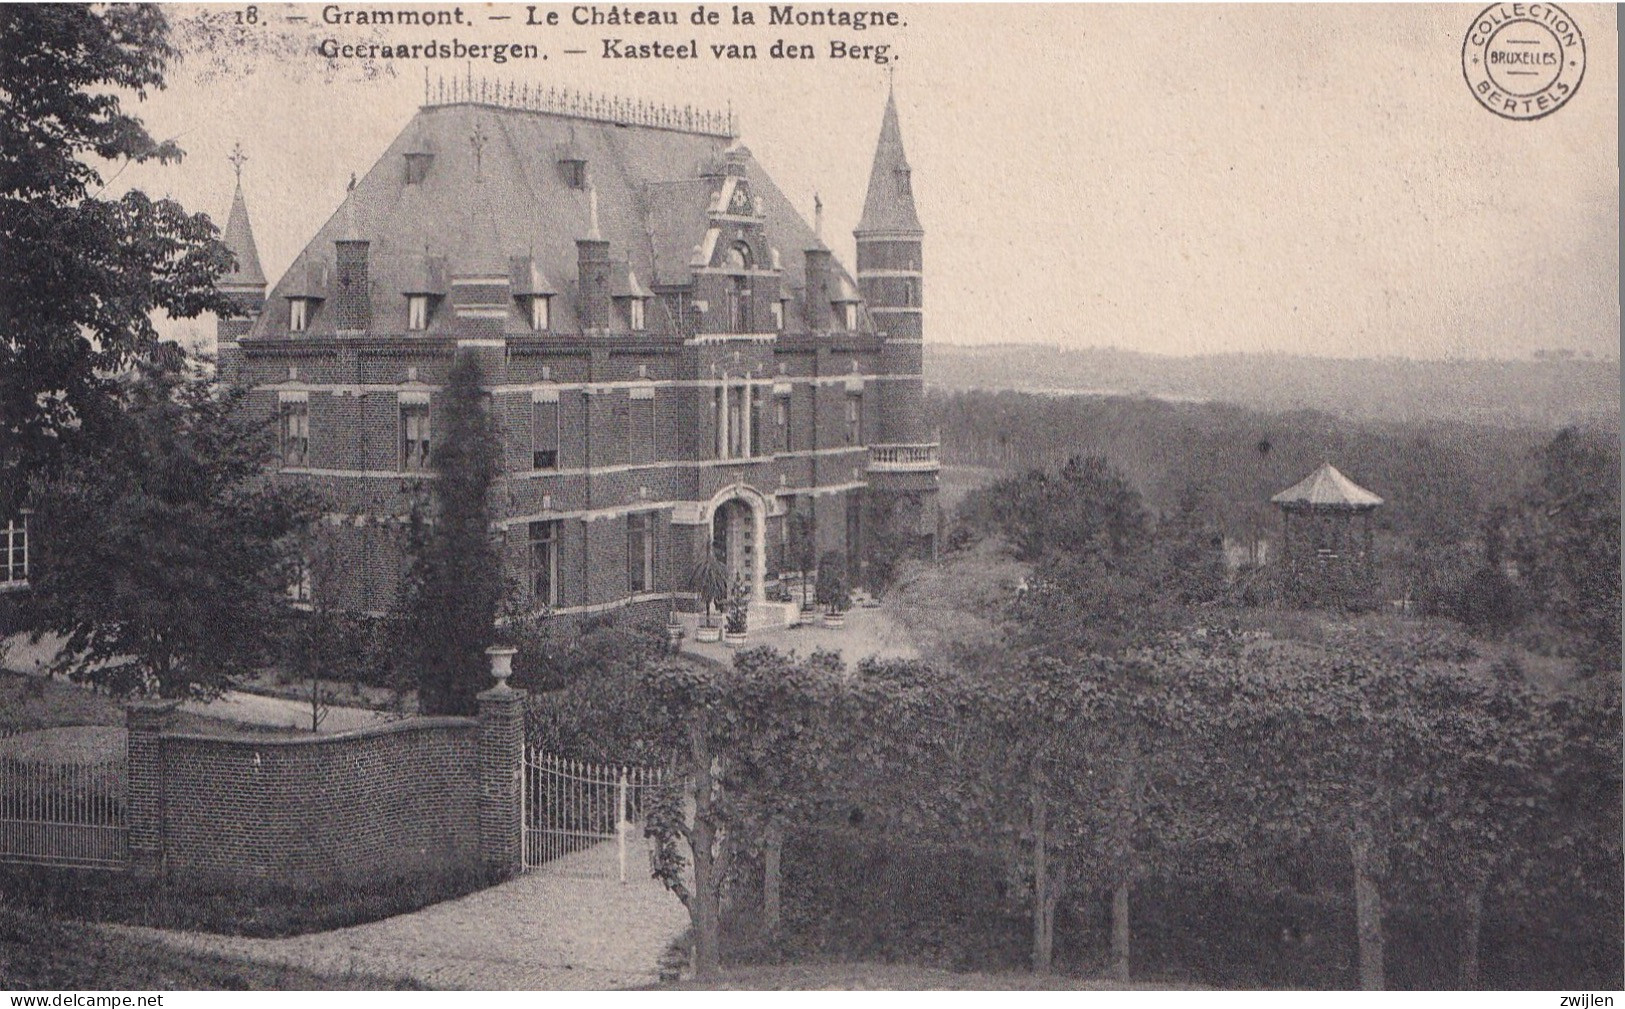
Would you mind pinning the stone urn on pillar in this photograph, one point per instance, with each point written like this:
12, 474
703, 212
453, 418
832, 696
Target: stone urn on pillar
501, 664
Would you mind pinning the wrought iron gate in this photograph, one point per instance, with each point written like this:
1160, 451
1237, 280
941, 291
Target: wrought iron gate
63, 812
579, 818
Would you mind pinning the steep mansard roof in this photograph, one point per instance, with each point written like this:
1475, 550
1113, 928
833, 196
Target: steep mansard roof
483, 206
889, 205
1327, 488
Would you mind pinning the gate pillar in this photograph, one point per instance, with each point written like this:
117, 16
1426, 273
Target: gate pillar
145, 722
502, 769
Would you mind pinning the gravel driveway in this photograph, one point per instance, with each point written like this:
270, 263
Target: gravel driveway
546, 929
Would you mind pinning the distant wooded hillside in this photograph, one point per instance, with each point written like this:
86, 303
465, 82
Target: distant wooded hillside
1438, 477
1546, 393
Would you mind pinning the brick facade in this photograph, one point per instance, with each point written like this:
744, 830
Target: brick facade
743, 317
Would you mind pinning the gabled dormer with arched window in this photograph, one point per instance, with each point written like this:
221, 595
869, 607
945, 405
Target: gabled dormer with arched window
631, 298
305, 293
533, 293
422, 291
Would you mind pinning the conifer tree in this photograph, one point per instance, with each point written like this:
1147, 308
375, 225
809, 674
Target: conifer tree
455, 585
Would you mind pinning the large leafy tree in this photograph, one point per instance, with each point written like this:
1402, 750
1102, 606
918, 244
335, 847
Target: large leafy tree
455, 585
165, 555
1565, 539
81, 275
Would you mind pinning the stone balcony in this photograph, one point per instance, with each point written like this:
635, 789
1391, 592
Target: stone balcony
921, 458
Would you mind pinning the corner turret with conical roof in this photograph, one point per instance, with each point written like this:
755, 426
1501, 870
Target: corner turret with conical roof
889, 207
903, 467
244, 286
889, 237
890, 279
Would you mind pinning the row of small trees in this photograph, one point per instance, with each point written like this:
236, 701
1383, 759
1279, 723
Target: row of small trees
1208, 759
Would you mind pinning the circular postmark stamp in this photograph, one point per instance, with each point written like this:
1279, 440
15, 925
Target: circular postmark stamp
1523, 60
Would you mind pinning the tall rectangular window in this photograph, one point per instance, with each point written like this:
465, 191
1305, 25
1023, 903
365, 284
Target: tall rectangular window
298, 314
14, 552
417, 312
736, 423
640, 553
739, 305
544, 435
539, 313
641, 435
757, 446
777, 309
295, 431
781, 422
544, 563
635, 314
719, 418
414, 437
854, 419
851, 315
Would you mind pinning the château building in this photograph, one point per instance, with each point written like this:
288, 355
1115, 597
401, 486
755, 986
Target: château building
675, 359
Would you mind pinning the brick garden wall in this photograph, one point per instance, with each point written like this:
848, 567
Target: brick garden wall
377, 803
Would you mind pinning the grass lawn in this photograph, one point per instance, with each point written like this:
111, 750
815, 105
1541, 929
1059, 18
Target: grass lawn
890, 977
29, 703
275, 683
261, 910
42, 954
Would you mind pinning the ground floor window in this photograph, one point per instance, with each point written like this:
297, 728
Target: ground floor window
299, 585
14, 552
640, 552
544, 563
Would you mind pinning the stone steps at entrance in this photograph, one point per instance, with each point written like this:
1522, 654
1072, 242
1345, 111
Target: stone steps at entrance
768, 614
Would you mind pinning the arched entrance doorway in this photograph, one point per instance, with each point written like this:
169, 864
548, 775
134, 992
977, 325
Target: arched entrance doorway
739, 536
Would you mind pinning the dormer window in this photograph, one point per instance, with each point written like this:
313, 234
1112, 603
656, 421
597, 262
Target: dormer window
778, 315
574, 171
540, 312
739, 257
417, 312
851, 314
298, 314
634, 312
417, 167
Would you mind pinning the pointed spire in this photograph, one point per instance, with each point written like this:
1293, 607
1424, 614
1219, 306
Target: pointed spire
239, 235
818, 218
890, 203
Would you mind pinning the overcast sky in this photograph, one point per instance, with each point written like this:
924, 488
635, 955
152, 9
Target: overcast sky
1313, 179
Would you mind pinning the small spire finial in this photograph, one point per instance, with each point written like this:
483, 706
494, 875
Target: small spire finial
477, 141
592, 213
237, 159
818, 216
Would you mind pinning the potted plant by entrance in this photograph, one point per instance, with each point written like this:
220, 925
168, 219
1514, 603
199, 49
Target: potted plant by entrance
674, 626
738, 614
832, 592
709, 582
803, 551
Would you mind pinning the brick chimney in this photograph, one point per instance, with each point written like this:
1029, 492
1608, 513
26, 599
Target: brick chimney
817, 304
592, 271
353, 300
